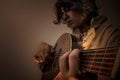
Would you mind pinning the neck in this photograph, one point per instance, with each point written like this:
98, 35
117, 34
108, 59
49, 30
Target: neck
84, 28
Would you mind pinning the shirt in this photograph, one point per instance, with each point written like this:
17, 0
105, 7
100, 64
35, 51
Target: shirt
100, 35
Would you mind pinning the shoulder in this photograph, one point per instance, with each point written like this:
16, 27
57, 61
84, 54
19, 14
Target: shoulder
113, 35
109, 33
101, 23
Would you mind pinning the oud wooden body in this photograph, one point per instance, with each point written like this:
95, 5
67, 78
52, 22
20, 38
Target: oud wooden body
63, 44
104, 62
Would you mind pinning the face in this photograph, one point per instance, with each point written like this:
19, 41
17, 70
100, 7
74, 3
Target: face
73, 19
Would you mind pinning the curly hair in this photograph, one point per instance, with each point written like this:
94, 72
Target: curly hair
75, 5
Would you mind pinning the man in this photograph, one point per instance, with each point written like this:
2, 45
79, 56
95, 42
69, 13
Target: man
92, 31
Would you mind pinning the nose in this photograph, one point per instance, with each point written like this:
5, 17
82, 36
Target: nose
65, 16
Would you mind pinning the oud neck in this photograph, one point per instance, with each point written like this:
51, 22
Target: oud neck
99, 61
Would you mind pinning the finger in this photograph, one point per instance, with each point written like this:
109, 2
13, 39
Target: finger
63, 63
39, 57
74, 62
36, 58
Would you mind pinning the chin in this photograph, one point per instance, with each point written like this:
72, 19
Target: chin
73, 27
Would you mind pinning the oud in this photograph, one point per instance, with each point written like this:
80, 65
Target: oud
102, 61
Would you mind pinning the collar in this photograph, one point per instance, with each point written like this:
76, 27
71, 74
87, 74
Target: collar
97, 21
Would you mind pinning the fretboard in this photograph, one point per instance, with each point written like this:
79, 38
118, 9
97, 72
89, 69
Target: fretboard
101, 61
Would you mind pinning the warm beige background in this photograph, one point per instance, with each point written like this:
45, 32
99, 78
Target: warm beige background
24, 24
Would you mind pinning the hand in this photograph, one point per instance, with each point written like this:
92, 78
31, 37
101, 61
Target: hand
44, 52
69, 66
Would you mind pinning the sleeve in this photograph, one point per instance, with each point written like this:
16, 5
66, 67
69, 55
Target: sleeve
114, 39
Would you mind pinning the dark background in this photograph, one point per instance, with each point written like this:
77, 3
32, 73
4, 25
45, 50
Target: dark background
24, 24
